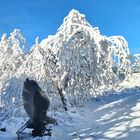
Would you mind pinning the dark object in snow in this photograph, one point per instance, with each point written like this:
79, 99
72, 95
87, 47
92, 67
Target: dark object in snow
36, 104
3, 129
62, 98
27, 136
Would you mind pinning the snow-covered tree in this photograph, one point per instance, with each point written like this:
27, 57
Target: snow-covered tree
37, 66
11, 55
77, 63
121, 56
87, 57
135, 63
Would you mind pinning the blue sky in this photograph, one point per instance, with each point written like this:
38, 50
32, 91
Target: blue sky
43, 17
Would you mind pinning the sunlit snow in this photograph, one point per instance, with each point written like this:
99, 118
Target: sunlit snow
98, 76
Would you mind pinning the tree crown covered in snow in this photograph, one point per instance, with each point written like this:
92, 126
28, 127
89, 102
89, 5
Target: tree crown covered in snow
77, 59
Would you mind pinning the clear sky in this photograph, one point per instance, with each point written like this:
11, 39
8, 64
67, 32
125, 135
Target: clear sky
43, 17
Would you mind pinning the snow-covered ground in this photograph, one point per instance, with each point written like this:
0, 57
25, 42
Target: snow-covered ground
115, 116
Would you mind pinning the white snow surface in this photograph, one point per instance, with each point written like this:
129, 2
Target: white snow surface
116, 116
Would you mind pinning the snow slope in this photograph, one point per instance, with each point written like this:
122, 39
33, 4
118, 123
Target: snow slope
116, 116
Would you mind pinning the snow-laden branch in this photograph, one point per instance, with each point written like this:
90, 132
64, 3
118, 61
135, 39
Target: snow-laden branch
77, 63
